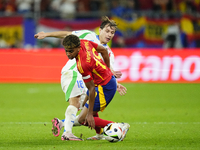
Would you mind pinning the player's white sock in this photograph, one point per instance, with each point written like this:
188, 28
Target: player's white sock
70, 116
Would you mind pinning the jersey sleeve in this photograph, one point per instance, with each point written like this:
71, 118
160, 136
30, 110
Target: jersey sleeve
80, 32
85, 34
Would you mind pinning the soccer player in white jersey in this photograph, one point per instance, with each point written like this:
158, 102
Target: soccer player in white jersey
71, 80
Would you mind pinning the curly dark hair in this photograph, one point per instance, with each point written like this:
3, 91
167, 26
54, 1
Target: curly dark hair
105, 20
71, 41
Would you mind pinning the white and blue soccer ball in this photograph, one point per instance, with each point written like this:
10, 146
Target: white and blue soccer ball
112, 132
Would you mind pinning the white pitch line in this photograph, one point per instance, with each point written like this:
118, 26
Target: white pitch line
25, 123
2, 123
165, 123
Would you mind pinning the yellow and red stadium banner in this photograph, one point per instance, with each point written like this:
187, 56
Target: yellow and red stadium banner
152, 31
147, 65
156, 28
11, 30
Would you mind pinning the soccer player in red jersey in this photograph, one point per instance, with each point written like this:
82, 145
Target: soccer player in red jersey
98, 78
72, 82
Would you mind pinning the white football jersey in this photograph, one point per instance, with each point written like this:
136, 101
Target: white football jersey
90, 36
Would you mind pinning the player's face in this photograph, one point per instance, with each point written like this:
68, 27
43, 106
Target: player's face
106, 34
72, 53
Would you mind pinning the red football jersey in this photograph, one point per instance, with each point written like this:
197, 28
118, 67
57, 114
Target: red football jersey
90, 64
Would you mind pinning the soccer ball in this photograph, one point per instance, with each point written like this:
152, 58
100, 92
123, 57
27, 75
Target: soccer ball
112, 132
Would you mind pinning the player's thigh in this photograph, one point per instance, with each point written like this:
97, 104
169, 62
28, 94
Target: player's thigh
72, 84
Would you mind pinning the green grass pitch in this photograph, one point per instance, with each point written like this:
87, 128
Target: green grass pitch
162, 117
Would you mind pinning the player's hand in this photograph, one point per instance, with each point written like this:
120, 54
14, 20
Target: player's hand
40, 35
121, 89
90, 121
117, 74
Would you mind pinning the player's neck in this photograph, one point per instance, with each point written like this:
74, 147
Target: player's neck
103, 43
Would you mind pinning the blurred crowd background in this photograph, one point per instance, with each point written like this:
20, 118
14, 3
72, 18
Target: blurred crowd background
141, 23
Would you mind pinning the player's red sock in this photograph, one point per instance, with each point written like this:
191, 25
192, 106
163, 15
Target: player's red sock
98, 130
100, 122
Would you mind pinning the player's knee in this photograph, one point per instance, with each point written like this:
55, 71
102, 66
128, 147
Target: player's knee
81, 120
70, 109
75, 102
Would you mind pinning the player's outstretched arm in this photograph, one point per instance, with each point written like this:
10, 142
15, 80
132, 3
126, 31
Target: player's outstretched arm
56, 34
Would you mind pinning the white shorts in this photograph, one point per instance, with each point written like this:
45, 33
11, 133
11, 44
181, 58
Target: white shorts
72, 84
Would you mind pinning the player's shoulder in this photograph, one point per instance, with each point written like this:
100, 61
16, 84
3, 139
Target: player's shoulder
82, 32
84, 40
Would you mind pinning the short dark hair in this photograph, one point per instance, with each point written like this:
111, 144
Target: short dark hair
105, 20
71, 41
